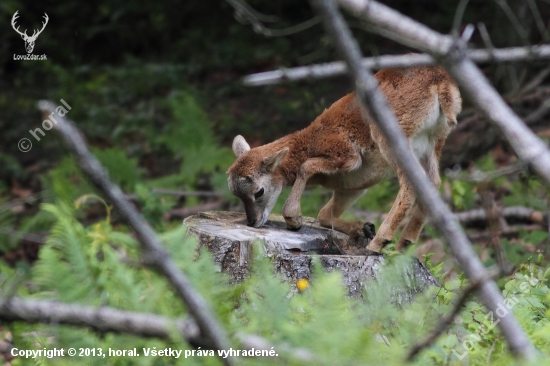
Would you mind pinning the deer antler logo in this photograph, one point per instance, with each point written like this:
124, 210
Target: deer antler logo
29, 40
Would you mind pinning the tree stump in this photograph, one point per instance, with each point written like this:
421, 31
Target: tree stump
230, 240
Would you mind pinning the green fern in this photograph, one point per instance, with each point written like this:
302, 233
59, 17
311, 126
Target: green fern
100, 265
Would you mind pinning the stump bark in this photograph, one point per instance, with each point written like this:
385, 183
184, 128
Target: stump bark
230, 240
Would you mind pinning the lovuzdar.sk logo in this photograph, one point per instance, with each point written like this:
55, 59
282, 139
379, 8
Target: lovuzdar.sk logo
29, 40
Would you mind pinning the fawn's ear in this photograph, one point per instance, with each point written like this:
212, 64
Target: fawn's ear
274, 159
240, 145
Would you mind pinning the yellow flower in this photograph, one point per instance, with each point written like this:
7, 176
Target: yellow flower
302, 284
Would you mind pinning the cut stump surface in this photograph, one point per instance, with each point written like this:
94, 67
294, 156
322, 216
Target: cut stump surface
230, 240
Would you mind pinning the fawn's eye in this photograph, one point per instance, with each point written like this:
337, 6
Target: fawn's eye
259, 193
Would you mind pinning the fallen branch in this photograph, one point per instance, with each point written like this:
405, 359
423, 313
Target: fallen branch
338, 68
511, 232
151, 245
480, 177
519, 213
103, 319
372, 98
107, 319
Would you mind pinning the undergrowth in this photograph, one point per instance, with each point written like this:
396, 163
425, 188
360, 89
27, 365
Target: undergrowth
100, 265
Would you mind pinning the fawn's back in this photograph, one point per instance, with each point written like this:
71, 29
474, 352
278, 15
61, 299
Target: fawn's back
425, 101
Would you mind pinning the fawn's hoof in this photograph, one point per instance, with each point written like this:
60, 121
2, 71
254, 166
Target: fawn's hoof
369, 230
293, 223
377, 245
369, 252
403, 244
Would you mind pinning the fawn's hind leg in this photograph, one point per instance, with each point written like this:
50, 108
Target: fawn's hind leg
401, 207
340, 201
412, 231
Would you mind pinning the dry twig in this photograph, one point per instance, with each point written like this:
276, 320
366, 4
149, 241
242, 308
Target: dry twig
514, 212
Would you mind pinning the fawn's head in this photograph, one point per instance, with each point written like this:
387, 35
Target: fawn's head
251, 179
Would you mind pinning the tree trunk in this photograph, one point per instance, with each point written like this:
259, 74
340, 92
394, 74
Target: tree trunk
230, 241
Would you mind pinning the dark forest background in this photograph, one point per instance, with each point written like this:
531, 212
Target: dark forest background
155, 88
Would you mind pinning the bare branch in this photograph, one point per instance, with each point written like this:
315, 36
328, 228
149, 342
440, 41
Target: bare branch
148, 238
486, 38
513, 212
107, 319
369, 94
533, 84
246, 14
338, 68
538, 21
513, 231
480, 177
523, 35
539, 113
448, 321
244, 7
103, 319
477, 215
459, 14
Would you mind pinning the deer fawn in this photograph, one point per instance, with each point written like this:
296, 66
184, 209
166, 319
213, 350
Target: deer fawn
344, 151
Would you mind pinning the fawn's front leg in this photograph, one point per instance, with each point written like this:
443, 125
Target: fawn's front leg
340, 201
291, 209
